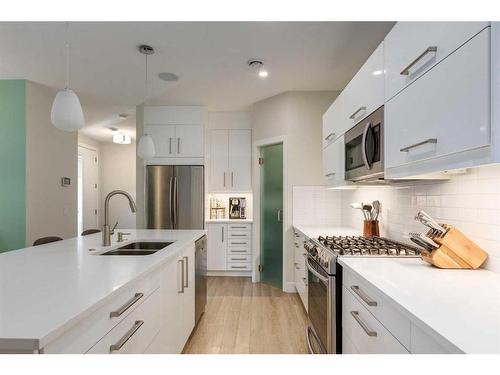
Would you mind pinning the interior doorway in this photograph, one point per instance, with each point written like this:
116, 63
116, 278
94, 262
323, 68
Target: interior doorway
271, 214
88, 189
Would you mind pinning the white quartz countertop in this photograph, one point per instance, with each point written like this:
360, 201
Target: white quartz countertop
235, 221
313, 231
44, 290
463, 306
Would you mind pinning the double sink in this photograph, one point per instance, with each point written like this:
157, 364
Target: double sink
138, 248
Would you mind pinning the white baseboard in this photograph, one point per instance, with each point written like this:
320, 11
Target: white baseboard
290, 288
230, 273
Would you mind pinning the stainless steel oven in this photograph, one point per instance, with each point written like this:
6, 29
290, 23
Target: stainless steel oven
364, 149
321, 331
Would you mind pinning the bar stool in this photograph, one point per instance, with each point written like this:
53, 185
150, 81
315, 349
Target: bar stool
90, 231
44, 240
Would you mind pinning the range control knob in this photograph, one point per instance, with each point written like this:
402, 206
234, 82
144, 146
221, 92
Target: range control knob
314, 251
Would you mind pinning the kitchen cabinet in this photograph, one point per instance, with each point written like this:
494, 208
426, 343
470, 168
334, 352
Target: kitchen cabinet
333, 123
300, 270
177, 133
334, 163
413, 48
216, 247
442, 120
230, 160
229, 247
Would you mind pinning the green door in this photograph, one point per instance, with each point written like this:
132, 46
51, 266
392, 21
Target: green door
271, 215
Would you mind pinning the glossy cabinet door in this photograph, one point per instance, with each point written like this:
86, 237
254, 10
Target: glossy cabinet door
163, 138
333, 123
240, 160
444, 113
217, 247
334, 163
186, 296
412, 48
365, 93
219, 160
189, 141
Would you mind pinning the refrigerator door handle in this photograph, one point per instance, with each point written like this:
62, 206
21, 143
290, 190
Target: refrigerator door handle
175, 203
170, 201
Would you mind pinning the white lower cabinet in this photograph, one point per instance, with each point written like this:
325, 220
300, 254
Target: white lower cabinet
300, 270
229, 247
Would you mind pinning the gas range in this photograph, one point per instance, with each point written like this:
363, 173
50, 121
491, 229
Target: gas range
325, 250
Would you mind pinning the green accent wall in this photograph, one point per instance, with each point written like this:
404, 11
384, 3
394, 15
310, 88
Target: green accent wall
12, 164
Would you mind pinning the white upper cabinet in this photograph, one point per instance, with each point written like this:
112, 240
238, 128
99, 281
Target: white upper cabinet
177, 132
333, 126
412, 48
230, 160
442, 120
334, 163
365, 93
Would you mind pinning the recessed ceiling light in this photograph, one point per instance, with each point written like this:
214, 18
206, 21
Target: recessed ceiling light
121, 138
258, 66
169, 77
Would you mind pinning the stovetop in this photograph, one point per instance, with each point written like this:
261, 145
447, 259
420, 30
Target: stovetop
325, 250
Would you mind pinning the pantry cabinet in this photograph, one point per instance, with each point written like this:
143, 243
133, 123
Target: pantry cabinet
229, 247
442, 120
230, 160
177, 133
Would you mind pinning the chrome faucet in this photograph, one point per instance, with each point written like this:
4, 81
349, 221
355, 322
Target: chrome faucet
106, 231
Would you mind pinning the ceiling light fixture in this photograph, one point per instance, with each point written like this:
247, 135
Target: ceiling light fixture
121, 138
168, 77
66, 113
258, 66
145, 146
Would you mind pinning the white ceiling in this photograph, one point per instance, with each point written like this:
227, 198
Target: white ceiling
210, 58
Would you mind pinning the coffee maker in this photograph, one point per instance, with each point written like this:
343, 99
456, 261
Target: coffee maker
237, 207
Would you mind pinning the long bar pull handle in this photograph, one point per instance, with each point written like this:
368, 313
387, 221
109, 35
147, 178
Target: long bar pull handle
171, 200
368, 331
126, 305
222, 233
363, 296
178, 145
232, 183
406, 71
181, 261
330, 174
170, 146
224, 179
408, 148
175, 202
119, 344
329, 136
363, 108
187, 272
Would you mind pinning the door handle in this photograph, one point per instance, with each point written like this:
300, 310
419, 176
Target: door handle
222, 233
406, 71
127, 305
119, 344
363, 146
224, 179
181, 261
186, 275
356, 289
368, 331
356, 112
171, 200
178, 145
280, 219
329, 136
170, 145
408, 148
232, 184
175, 203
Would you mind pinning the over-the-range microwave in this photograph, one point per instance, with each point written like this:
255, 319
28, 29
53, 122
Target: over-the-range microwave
364, 149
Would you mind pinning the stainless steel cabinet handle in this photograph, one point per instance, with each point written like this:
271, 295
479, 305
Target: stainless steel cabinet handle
126, 305
238, 251
187, 272
181, 261
363, 296
239, 267
233, 258
408, 148
330, 174
357, 111
170, 145
238, 235
224, 179
119, 344
329, 136
235, 227
232, 184
406, 71
363, 146
369, 332
176, 203
280, 219
178, 145
222, 233
239, 243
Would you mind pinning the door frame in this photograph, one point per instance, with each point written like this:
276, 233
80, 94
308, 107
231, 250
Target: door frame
257, 145
96, 150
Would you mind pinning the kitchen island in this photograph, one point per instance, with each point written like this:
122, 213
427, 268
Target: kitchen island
64, 297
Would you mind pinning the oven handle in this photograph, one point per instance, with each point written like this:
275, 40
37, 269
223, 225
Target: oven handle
310, 332
363, 146
316, 273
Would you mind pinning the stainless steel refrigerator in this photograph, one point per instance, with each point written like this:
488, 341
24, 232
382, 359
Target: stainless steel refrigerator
175, 196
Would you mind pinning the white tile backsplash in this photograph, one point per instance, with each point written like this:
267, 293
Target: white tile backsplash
315, 205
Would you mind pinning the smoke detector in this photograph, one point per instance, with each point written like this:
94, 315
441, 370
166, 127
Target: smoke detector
145, 49
258, 66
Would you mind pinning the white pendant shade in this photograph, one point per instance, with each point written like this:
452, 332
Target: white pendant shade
146, 147
66, 113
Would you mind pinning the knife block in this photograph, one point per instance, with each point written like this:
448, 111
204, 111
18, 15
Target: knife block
455, 251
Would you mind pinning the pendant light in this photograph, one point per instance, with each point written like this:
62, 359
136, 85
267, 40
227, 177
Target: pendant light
146, 147
66, 113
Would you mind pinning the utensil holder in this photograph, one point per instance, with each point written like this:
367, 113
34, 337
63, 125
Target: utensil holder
370, 228
455, 250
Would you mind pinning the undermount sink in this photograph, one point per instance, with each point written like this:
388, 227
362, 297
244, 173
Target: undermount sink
139, 248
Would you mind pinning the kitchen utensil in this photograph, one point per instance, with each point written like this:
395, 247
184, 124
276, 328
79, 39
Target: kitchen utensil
428, 221
420, 243
359, 206
376, 209
368, 209
424, 238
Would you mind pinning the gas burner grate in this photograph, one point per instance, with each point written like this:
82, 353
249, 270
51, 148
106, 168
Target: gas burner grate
367, 246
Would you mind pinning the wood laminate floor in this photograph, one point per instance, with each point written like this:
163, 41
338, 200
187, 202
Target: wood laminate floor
242, 317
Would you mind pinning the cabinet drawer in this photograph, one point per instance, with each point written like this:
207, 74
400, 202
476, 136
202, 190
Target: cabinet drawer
407, 43
89, 331
238, 227
445, 112
239, 233
366, 332
238, 242
245, 257
239, 266
134, 334
378, 305
238, 250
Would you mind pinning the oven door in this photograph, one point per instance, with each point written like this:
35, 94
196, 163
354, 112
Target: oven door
321, 335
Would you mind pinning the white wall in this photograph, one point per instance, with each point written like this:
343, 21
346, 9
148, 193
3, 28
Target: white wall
118, 172
50, 154
140, 177
93, 144
296, 117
